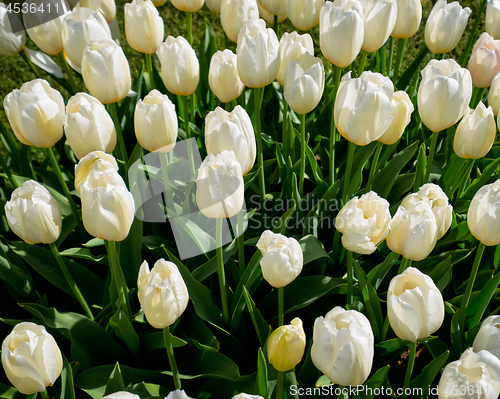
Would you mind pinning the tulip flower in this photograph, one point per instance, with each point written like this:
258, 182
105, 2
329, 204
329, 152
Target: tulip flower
143, 26
11, 42
94, 162
444, 94
484, 62
267, 16
88, 126
435, 197
494, 95
188, 5
475, 134
343, 346
282, 258
33, 214
107, 8
408, 19
122, 395
158, 3
363, 107
214, 5
415, 305
274, 7
246, 396
413, 231
474, 375
286, 345
231, 131
293, 47
402, 108
178, 394
445, 26
106, 71
162, 293
483, 214
488, 336
341, 31
80, 27
180, 69
492, 20
36, 113
223, 76
155, 122
258, 54
304, 14
31, 358
364, 223
379, 21
235, 13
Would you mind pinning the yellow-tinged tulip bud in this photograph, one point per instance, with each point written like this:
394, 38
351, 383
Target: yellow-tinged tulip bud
31, 358
402, 108
493, 18
484, 62
223, 76
408, 19
94, 162
264, 14
188, 5
484, 213
379, 21
107, 8
494, 95
234, 14
304, 14
274, 7
286, 345
10, 43
293, 47
214, 5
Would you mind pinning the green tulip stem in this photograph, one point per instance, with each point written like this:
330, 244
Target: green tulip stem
347, 177
382, 59
241, 242
23, 53
430, 159
409, 368
171, 357
189, 23
257, 94
279, 385
276, 27
8, 172
45, 394
228, 106
119, 134
220, 270
460, 177
118, 277
66, 192
302, 153
71, 282
479, 93
373, 168
166, 182
470, 286
391, 55
385, 328
364, 56
405, 264
68, 71
149, 68
185, 106
399, 58
285, 140
350, 266
336, 80
281, 306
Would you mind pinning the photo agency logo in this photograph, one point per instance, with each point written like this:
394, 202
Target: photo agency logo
166, 189
33, 14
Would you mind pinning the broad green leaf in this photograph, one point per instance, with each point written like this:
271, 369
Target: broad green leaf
260, 325
125, 331
15, 276
83, 253
155, 341
378, 273
372, 386
312, 249
115, 381
8, 392
67, 386
481, 181
420, 169
208, 268
262, 377
414, 68
478, 306
196, 333
130, 253
429, 373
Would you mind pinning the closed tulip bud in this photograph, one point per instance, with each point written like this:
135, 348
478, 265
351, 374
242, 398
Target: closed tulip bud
402, 108
304, 14
162, 293
413, 231
444, 94
214, 5
96, 162
231, 131
474, 375
223, 76
488, 336
88, 126
258, 54
341, 31
435, 197
107, 8
286, 345
282, 258
178, 394
267, 16
80, 27
493, 18
363, 107
274, 7
158, 3
408, 19
188, 5
106, 71
219, 186
155, 122
304, 84
343, 346
293, 47
484, 211
484, 62
31, 358
36, 113
33, 214
246, 396
494, 95
379, 21
180, 69
11, 42
234, 14
122, 395
415, 305
364, 223
46, 32
475, 133
143, 26
445, 26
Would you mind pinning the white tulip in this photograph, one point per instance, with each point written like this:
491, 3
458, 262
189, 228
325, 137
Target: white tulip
408, 19
293, 47
143, 26
492, 20
214, 5
246, 396
415, 305
11, 42
304, 14
96, 162
178, 394
494, 94
122, 395
402, 108
484, 62
484, 213
223, 76
188, 5
234, 14
267, 16
162, 293
343, 346
379, 21
282, 258
107, 8
488, 336
275, 7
